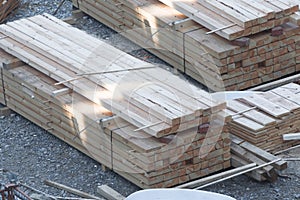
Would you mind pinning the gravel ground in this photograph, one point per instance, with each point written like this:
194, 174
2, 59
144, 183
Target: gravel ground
34, 155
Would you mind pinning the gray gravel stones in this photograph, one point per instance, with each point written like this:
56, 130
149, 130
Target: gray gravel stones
35, 155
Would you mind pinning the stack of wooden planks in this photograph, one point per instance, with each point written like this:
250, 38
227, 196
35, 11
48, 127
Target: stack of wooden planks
244, 153
263, 119
144, 160
6, 7
160, 135
171, 160
211, 59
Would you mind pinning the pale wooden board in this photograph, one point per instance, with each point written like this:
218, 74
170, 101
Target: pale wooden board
255, 115
267, 106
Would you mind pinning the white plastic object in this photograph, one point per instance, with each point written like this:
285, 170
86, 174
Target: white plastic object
176, 194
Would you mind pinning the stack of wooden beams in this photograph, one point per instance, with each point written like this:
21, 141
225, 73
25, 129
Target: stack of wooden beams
6, 7
262, 119
211, 59
161, 135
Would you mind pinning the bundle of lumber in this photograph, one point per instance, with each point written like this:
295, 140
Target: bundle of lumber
263, 119
6, 7
32, 94
193, 49
160, 135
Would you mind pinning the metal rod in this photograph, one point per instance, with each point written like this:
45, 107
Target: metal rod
285, 150
69, 80
148, 126
238, 174
220, 29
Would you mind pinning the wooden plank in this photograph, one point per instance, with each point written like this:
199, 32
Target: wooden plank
228, 12
71, 190
251, 114
109, 193
267, 106
286, 93
257, 175
283, 102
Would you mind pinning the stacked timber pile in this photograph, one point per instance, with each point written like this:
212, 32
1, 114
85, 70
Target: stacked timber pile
75, 120
244, 153
263, 119
232, 45
6, 7
125, 113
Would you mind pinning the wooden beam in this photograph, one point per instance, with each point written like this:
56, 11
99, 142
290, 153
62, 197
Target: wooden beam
109, 193
5, 111
71, 190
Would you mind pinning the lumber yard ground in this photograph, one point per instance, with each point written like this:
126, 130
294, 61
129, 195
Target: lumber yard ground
34, 155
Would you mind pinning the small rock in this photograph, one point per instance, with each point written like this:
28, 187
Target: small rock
297, 196
276, 190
